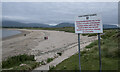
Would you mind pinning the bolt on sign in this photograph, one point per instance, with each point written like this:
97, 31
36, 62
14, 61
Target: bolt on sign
90, 23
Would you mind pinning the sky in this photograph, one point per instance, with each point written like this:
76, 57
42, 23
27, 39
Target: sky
57, 12
59, 0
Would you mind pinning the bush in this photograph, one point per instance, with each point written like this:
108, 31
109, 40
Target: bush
108, 34
84, 34
92, 44
83, 52
49, 60
51, 68
89, 35
94, 34
16, 60
59, 53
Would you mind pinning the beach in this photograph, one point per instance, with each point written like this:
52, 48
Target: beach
32, 42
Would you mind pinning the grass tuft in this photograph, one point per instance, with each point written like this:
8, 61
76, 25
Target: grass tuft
14, 62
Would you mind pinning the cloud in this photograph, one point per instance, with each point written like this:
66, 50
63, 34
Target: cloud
54, 12
14, 18
59, 0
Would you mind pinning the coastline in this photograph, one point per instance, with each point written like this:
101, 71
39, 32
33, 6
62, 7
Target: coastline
35, 44
16, 35
20, 44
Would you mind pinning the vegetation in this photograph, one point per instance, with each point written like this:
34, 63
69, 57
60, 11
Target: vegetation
59, 53
90, 58
66, 29
89, 35
20, 62
0, 67
51, 68
49, 60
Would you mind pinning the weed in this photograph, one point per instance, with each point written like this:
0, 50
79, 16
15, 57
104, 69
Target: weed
49, 60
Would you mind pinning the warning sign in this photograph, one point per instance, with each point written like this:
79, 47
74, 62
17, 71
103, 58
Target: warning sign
91, 23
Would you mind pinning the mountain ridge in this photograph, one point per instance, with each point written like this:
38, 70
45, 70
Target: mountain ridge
7, 23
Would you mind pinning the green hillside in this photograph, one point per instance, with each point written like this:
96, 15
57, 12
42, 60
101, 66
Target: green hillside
90, 56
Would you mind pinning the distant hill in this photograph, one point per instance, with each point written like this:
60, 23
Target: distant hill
106, 26
7, 23
65, 24
20, 24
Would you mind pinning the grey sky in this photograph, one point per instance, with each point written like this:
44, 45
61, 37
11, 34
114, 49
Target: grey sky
57, 12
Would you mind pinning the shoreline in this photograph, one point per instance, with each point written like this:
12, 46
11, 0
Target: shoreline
16, 35
35, 44
20, 44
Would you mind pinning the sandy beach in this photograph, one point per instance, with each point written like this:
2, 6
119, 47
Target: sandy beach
35, 44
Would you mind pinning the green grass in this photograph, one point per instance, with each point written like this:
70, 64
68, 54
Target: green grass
0, 67
66, 29
89, 35
92, 44
15, 62
90, 59
29, 66
49, 60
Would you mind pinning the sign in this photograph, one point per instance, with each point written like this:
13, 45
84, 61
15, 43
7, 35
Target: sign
91, 23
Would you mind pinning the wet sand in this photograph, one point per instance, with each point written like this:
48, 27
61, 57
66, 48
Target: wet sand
17, 35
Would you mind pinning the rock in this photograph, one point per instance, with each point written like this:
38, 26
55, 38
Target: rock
22, 64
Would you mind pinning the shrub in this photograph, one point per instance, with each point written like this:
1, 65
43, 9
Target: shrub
49, 60
92, 44
94, 34
51, 67
16, 60
59, 53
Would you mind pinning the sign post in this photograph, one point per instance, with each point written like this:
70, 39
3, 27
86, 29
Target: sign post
90, 23
99, 51
79, 50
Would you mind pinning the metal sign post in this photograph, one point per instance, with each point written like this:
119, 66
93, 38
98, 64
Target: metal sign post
99, 51
90, 23
79, 50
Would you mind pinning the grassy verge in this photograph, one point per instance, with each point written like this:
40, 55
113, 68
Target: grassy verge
90, 58
66, 29
20, 62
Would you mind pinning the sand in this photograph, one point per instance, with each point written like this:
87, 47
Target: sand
35, 44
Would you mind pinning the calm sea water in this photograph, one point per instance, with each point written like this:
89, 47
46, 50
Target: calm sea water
7, 33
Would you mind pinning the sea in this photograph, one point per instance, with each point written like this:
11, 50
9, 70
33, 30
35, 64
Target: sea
6, 33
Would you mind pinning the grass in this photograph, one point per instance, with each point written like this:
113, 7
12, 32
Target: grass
15, 62
49, 60
92, 44
66, 29
0, 67
89, 35
29, 65
90, 59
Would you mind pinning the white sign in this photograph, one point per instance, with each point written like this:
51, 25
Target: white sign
91, 23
